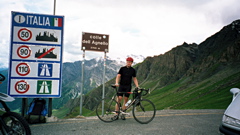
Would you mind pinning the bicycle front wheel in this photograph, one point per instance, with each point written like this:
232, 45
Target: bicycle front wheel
144, 111
106, 110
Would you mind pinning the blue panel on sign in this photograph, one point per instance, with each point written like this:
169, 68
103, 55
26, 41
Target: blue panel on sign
45, 70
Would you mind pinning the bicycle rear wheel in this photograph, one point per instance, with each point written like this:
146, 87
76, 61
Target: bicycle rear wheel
144, 111
106, 110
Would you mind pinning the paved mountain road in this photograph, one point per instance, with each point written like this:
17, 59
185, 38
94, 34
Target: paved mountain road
166, 122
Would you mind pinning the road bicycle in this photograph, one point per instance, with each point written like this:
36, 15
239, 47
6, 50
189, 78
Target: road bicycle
143, 110
11, 123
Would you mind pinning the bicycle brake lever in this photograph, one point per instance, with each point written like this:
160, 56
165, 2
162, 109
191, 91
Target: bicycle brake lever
114, 86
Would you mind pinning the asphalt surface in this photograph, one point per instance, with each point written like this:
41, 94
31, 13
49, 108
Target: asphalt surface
166, 122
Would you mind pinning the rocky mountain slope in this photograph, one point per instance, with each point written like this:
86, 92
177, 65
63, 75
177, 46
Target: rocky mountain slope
71, 79
189, 75
93, 77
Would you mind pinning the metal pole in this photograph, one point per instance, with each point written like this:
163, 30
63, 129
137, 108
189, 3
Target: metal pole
24, 106
81, 93
103, 91
49, 107
50, 99
104, 68
54, 7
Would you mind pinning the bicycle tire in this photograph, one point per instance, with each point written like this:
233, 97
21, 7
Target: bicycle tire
144, 111
16, 123
107, 112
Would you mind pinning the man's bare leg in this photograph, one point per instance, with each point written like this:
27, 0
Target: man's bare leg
125, 101
119, 99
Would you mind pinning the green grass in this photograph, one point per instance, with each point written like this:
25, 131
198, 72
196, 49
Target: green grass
149, 84
76, 112
212, 93
60, 113
208, 94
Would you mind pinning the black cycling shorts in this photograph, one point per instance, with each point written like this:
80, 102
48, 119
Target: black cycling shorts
124, 88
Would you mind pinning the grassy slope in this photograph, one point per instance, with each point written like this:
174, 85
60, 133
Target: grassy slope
207, 94
211, 93
64, 112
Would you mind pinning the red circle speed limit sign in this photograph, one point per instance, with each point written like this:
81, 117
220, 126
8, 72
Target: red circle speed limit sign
24, 34
21, 87
22, 69
23, 51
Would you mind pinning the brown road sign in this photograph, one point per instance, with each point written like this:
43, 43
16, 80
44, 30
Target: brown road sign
95, 42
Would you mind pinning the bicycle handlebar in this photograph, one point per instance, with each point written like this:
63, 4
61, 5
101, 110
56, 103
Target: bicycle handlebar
114, 86
144, 91
2, 77
137, 90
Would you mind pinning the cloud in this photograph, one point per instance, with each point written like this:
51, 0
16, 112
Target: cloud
6, 7
139, 27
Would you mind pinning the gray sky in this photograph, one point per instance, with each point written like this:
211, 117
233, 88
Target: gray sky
139, 27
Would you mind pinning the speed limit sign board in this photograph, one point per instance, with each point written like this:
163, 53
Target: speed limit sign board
24, 51
35, 55
22, 69
24, 34
21, 86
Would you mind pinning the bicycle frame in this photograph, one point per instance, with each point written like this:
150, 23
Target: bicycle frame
135, 100
110, 108
130, 104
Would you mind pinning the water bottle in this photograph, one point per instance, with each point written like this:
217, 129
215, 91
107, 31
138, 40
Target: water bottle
128, 102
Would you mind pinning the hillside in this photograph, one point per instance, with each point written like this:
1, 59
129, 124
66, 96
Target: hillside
93, 77
189, 76
71, 80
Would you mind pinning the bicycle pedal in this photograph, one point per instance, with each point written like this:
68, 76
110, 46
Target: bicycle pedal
115, 117
123, 117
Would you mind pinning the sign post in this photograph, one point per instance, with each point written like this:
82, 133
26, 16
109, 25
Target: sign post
50, 99
94, 42
35, 55
82, 81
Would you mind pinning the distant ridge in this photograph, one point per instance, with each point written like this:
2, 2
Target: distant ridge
190, 76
